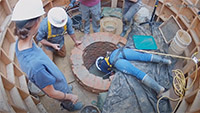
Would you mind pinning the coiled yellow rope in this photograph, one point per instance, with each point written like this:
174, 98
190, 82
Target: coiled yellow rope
179, 80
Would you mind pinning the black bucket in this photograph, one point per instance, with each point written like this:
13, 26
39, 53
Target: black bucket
77, 22
90, 109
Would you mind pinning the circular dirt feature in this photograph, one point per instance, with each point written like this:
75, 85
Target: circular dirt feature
85, 55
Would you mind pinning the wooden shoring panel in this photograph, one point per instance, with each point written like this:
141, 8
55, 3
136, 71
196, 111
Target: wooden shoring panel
159, 8
60, 3
48, 6
7, 7
195, 104
3, 27
166, 13
12, 3
183, 26
4, 61
9, 44
3, 98
174, 5
196, 30
32, 108
198, 4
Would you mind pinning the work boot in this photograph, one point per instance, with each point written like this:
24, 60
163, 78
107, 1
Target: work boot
156, 58
68, 105
151, 83
126, 26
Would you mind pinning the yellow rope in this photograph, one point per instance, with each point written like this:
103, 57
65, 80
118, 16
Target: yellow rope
179, 80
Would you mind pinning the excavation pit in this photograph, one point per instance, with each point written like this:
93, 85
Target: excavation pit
84, 56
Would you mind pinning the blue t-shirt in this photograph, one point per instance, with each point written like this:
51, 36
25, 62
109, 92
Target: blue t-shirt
40, 69
43, 33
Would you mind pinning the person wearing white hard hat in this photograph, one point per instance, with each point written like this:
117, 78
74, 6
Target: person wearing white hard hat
33, 61
121, 58
52, 30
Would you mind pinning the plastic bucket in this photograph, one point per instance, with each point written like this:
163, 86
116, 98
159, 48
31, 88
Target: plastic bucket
180, 42
109, 25
90, 109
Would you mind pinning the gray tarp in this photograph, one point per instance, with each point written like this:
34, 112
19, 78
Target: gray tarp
129, 95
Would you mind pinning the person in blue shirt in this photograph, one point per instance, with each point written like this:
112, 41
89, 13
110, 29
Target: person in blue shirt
52, 30
131, 7
39, 68
120, 59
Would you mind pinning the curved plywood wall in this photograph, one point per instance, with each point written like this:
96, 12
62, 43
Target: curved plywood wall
185, 12
14, 94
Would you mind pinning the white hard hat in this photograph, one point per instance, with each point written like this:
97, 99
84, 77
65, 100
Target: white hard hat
57, 16
27, 9
98, 60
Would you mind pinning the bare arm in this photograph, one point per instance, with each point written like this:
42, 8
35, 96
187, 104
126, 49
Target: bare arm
47, 43
50, 91
75, 41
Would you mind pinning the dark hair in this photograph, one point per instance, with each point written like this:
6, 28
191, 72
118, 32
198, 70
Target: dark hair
22, 28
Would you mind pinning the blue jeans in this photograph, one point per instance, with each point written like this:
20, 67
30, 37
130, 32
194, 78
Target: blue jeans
130, 9
95, 12
124, 64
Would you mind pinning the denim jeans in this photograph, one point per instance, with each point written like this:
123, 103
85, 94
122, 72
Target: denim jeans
124, 64
95, 12
130, 9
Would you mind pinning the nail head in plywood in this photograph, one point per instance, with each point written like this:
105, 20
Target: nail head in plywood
169, 28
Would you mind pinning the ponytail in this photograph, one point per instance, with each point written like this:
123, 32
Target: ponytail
23, 28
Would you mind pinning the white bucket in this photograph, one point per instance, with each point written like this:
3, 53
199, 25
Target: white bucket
109, 25
180, 42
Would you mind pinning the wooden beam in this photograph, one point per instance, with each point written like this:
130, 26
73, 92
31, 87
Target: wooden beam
114, 3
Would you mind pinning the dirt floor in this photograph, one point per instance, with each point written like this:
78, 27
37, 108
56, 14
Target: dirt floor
52, 105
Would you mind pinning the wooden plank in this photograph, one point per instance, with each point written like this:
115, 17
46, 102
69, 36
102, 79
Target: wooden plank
3, 28
3, 98
23, 84
195, 105
12, 51
35, 100
191, 96
10, 73
19, 110
41, 108
7, 7
17, 100
4, 61
32, 108
23, 94
183, 107
114, 3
